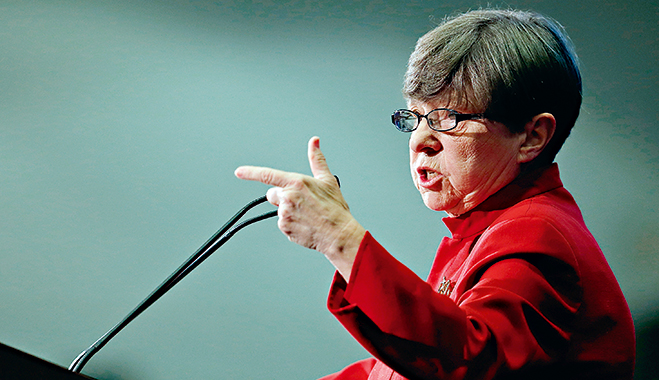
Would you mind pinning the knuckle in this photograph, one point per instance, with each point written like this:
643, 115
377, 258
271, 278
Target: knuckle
273, 195
298, 184
284, 226
286, 214
266, 176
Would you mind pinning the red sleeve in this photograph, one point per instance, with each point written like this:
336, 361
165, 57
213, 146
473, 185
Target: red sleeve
422, 334
398, 317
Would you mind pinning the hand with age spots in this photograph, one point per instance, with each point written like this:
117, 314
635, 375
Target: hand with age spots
312, 211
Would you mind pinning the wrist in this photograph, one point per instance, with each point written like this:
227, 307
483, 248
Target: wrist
343, 251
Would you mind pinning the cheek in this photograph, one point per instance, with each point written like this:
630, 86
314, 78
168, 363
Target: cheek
496, 154
483, 161
459, 164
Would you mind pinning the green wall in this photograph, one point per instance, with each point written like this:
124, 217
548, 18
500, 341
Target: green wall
121, 124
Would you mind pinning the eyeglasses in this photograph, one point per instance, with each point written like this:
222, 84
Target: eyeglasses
439, 119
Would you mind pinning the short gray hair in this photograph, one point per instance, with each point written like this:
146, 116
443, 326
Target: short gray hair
510, 65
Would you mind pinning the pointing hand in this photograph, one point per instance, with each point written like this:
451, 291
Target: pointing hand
312, 211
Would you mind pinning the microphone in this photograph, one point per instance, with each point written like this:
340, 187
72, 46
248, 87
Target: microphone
207, 249
212, 244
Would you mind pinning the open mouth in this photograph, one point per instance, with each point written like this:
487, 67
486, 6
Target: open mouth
427, 175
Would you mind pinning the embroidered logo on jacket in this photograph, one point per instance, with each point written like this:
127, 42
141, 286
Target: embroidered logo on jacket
446, 287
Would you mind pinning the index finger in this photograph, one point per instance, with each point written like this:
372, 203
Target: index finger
268, 176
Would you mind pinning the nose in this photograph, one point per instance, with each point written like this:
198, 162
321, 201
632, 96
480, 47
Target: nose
425, 140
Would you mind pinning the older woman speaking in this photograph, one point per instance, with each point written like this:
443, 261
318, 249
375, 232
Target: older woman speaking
521, 288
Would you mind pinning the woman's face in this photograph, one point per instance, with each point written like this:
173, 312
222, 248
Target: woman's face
456, 170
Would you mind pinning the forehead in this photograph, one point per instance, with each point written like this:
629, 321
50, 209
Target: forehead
427, 106
458, 97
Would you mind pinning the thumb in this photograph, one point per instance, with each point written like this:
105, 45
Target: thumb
317, 161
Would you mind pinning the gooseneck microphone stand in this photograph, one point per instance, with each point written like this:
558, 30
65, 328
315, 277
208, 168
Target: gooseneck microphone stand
215, 242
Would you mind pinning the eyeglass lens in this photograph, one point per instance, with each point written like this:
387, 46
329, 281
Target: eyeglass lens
439, 120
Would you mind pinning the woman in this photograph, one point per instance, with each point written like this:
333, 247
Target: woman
521, 288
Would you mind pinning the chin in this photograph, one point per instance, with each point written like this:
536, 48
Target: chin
435, 203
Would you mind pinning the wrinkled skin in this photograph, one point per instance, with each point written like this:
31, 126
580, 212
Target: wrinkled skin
454, 172
312, 211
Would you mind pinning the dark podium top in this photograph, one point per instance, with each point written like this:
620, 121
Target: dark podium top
16, 364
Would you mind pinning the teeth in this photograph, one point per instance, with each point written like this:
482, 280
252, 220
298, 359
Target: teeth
430, 175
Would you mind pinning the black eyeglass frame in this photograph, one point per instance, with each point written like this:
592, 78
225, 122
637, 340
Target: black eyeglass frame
459, 117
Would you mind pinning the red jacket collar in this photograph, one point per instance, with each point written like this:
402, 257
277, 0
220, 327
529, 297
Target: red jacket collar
523, 187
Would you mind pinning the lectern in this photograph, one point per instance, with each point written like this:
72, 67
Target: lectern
18, 365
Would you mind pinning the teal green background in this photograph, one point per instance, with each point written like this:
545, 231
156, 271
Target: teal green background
121, 124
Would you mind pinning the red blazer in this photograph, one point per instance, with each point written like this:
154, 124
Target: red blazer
520, 290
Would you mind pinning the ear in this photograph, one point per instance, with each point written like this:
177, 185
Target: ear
537, 133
